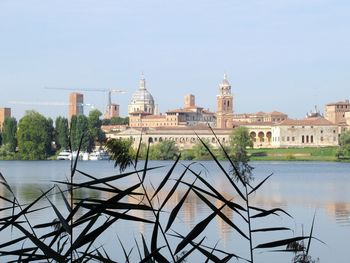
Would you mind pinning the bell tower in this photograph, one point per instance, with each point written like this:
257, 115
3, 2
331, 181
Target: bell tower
224, 112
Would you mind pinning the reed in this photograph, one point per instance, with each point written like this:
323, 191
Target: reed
73, 235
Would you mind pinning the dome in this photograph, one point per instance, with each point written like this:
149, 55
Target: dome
142, 100
142, 96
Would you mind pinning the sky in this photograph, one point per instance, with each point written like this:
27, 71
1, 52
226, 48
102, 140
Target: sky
285, 55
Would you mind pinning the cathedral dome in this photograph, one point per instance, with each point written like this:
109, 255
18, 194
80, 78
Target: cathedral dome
142, 96
142, 100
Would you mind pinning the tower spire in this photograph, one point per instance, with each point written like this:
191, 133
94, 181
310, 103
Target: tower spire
142, 81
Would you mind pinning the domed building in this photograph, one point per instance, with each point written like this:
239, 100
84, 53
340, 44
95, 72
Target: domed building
142, 101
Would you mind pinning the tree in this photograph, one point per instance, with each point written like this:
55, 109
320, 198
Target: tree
61, 133
9, 133
344, 145
121, 152
97, 135
199, 150
34, 141
50, 132
239, 142
165, 150
80, 128
116, 121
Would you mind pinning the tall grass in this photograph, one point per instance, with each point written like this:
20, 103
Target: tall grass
73, 235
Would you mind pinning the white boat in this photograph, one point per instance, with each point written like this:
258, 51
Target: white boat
98, 155
64, 155
84, 156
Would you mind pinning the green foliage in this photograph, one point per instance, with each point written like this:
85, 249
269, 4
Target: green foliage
116, 121
344, 148
50, 133
239, 142
34, 141
95, 126
6, 152
61, 133
9, 133
164, 150
200, 152
121, 152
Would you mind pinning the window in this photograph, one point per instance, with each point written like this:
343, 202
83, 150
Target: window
302, 139
312, 139
321, 131
287, 138
293, 139
321, 139
303, 127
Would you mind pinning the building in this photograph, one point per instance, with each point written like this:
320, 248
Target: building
335, 113
76, 104
267, 129
4, 113
190, 115
224, 112
142, 112
112, 111
273, 117
184, 137
308, 132
142, 101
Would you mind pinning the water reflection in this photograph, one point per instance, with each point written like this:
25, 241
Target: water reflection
297, 187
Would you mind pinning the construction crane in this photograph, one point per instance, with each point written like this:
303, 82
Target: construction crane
48, 103
111, 110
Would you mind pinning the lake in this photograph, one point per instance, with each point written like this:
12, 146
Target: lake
300, 188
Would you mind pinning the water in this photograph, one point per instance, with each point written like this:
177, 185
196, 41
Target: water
301, 188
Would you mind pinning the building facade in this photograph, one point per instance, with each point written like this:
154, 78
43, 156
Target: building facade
273, 117
184, 137
4, 113
309, 132
336, 113
76, 104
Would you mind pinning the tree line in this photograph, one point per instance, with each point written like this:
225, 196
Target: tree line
35, 137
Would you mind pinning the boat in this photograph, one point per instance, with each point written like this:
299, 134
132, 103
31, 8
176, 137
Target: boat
98, 155
64, 155
85, 156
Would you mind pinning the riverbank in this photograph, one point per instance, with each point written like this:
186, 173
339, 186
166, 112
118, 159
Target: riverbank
295, 154
322, 154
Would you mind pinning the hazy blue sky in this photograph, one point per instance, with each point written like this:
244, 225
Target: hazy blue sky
279, 55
